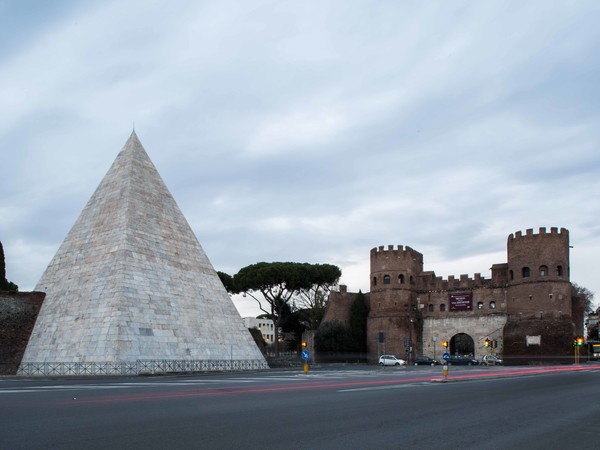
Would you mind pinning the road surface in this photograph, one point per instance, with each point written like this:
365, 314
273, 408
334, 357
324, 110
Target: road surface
368, 407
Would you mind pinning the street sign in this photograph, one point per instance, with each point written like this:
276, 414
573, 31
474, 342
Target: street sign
446, 356
305, 355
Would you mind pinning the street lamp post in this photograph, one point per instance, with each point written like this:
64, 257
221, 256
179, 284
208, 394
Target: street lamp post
410, 342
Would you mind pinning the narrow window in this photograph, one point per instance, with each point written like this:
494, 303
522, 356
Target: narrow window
386, 279
443, 307
412, 281
430, 307
374, 281
512, 275
492, 305
543, 271
400, 279
559, 271
480, 305
525, 272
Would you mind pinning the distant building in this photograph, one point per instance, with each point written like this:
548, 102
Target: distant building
266, 327
591, 323
526, 307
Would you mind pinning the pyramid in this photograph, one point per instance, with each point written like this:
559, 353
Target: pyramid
130, 290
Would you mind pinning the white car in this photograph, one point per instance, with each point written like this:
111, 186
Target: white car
391, 360
491, 360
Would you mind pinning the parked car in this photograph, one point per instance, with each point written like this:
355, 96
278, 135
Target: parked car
425, 361
391, 360
457, 360
491, 360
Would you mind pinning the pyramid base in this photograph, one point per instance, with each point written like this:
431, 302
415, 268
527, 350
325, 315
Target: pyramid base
138, 367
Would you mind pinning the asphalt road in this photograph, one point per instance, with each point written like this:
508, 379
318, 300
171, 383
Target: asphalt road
383, 408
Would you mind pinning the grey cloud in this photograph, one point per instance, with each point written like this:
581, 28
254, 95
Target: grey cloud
311, 132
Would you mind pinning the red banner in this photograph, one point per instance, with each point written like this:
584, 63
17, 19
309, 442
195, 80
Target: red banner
461, 302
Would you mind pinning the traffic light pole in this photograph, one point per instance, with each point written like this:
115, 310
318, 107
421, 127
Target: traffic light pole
486, 344
577, 344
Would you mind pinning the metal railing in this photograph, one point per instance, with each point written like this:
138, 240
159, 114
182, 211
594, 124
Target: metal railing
138, 367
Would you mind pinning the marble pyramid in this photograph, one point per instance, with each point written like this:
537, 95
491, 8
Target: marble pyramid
130, 290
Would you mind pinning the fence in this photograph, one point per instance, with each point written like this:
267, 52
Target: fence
138, 367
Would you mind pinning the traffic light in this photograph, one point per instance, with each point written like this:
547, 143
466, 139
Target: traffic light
303, 343
486, 343
445, 344
579, 341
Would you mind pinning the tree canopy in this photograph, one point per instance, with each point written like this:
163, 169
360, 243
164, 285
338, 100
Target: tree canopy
335, 339
278, 283
584, 295
227, 281
314, 299
359, 313
5, 285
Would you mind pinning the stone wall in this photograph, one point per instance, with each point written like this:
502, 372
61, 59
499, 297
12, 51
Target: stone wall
339, 305
479, 328
395, 334
18, 313
539, 341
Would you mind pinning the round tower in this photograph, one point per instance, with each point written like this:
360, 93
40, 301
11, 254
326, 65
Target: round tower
395, 268
538, 273
393, 325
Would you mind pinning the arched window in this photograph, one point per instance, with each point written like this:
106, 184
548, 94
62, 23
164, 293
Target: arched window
543, 271
430, 307
443, 307
374, 281
492, 305
559, 271
480, 305
386, 279
400, 279
525, 272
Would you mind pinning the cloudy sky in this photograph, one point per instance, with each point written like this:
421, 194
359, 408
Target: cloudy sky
309, 131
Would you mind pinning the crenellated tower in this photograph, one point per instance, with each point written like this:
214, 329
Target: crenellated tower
394, 272
394, 324
538, 273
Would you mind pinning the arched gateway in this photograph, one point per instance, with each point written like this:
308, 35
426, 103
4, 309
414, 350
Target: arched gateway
462, 344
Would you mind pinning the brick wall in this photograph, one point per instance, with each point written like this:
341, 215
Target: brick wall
554, 345
18, 312
339, 305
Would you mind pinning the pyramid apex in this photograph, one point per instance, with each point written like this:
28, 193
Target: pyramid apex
133, 148
133, 138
